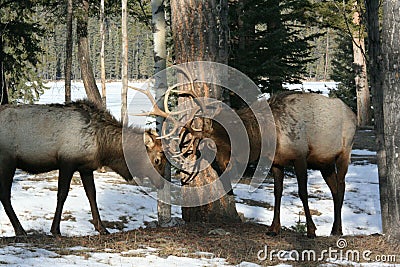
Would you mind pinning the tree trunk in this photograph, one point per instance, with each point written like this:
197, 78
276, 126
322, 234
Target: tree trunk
391, 93
361, 80
376, 83
3, 87
160, 59
3, 84
124, 67
326, 56
68, 53
200, 34
102, 49
89, 81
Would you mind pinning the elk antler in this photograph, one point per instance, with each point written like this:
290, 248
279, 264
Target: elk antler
194, 133
167, 113
157, 111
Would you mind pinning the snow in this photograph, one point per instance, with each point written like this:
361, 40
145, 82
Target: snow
361, 210
19, 255
34, 200
363, 152
136, 101
317, 87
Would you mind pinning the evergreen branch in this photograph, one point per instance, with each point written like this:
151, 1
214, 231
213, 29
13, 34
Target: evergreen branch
3, 5
146, 20
350, 32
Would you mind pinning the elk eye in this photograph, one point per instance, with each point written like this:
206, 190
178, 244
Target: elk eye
157, 161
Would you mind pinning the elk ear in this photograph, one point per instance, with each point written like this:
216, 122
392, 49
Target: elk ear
150, 138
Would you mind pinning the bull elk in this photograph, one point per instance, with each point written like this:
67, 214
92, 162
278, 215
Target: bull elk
72, 137
312, 132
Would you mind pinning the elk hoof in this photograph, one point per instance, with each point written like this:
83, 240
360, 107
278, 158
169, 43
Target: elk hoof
56, 235
104, 231
311, 235
337, 233
272, 233
21, 232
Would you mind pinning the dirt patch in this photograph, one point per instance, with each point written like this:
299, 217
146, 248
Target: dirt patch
255, 203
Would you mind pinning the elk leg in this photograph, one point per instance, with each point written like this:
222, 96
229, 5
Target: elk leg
6, 178
330, 177
278, 174
90, 189
64, 182
300, 167
342, 164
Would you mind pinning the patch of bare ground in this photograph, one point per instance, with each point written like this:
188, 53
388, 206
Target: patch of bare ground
234, 242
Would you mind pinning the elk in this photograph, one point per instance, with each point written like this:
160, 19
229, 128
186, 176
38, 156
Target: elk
73, 137
312, 132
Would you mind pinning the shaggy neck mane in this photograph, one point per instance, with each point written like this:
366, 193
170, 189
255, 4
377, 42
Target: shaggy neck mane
108, 130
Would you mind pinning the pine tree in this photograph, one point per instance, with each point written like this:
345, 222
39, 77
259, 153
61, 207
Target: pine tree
269, 43
342, 65
20, 49
196, 40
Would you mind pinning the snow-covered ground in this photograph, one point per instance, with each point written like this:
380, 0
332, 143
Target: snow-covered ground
23, 256
34, 200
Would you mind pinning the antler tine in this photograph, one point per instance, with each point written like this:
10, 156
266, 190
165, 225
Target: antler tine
185, 150
142, 114
157, 111
196, 136
174, 129
167, 93
191, 92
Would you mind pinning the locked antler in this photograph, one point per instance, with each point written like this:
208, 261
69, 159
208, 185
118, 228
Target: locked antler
195, 134
167, 113
157, 111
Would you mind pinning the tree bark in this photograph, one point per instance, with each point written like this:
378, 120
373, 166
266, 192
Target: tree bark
89, 81
361, 80
102, 50
3, 84
326, 56
68, 53
376, 83
391, 93
200, 34
160, 59
3, 87
124, 67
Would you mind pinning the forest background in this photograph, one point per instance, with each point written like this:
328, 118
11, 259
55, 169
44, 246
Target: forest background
273, 42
